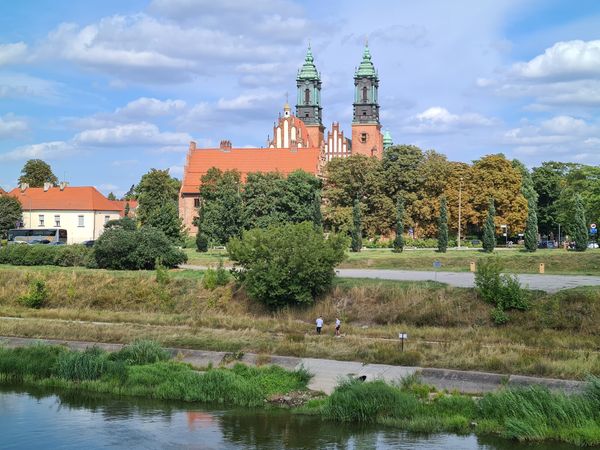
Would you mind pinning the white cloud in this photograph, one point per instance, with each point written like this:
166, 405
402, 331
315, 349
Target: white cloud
439, 120
11, 126
132, 134
18, 85
564, 60
44, 150
12, 53
150, 107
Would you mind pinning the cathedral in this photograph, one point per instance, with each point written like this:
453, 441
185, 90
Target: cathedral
298, 140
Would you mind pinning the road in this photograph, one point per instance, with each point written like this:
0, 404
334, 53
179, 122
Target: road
546, 282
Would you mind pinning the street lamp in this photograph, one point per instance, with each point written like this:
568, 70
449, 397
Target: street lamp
459, 208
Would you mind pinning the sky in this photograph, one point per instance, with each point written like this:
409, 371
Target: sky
106, 90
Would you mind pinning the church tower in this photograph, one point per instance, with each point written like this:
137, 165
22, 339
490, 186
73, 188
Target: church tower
308, 104
366, 129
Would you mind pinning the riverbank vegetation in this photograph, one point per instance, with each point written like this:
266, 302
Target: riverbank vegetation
144, 369
447, 327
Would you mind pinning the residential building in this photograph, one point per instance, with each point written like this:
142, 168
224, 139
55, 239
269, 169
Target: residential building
82, 211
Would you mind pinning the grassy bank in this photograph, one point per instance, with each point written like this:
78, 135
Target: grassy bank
515, 261
145, 370
448, 327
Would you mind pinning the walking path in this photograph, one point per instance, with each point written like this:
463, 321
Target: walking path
548, 282
327, 373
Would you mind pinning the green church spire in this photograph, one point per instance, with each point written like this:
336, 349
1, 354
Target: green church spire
366, 67
308, 71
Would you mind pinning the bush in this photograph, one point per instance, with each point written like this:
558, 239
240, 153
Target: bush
162, 274
289, 264
45, 255
72, 256
37, 295
501, 290
123, 249
201, 242
215, 277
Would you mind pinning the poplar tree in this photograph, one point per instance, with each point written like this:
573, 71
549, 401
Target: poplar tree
531, 228
356, 244
399, 240
489, 229
580, 230
443, 227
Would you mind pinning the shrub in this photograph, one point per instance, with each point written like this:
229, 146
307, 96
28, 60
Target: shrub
215, 277
72, 256
37, 295
289, 264
123, 249
162, 274
201, 242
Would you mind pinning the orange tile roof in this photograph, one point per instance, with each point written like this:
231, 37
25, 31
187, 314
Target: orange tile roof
2, 191
133, 204
84, 198
247, 160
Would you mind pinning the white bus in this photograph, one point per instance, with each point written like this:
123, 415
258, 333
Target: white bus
55, 236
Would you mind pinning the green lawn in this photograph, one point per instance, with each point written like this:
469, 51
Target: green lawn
515, 261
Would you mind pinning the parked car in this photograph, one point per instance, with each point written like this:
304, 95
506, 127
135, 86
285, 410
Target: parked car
546, 244
593, 245
89, 243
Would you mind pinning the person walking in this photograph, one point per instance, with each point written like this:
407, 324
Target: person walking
337, 326
319, 324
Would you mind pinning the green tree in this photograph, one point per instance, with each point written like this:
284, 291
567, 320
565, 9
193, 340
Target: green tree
443, 227
489, 229
549, 180
580, 230
317, 215
201, 241
221, 209
125, 223
11, 213
36, 172
157, 194
531, 229
356, 244
111, 196
399, 239
267, 257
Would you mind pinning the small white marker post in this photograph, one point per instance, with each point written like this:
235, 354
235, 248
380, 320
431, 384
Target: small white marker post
402, 337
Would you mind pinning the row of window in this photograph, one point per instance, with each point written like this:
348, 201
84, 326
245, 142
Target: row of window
80, 220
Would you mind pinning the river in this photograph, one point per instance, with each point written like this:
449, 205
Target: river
36, 419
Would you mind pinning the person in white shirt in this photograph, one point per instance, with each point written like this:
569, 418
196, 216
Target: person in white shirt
337, 326
319, 324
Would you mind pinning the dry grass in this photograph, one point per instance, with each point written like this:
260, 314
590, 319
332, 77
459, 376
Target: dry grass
447, 327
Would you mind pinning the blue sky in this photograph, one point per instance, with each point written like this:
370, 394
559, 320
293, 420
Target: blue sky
106, 90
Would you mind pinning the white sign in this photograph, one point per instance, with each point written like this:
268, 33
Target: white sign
403, 336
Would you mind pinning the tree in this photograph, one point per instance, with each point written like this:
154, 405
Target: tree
317, 216
130, 194
125, 223
11, 213
549, 180
489, 229
267, 257
399, 239
111, 196
221, 209
356, 244
531, 229
580, 231
36, 172
443, 227
201, 242
157, 195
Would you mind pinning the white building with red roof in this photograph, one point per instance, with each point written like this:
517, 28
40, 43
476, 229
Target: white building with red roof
82, 211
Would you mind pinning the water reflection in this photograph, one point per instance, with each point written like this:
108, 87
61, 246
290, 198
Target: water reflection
38, 419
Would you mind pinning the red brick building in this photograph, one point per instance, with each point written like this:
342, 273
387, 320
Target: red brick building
298, 140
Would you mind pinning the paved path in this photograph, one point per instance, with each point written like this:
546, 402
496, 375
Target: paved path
327, 373
547, 282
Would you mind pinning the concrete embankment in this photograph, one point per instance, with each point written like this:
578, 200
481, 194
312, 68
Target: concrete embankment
327, 372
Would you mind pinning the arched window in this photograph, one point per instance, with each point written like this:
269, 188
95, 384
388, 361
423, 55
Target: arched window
364, 96
307, 96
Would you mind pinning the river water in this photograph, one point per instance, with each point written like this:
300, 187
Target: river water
41, 420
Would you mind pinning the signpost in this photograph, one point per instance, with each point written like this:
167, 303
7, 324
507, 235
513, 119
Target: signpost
402, 337
436, 265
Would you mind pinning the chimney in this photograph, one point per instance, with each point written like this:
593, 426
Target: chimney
23, 187
225, 145
47, 186
63, 185
192, 145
